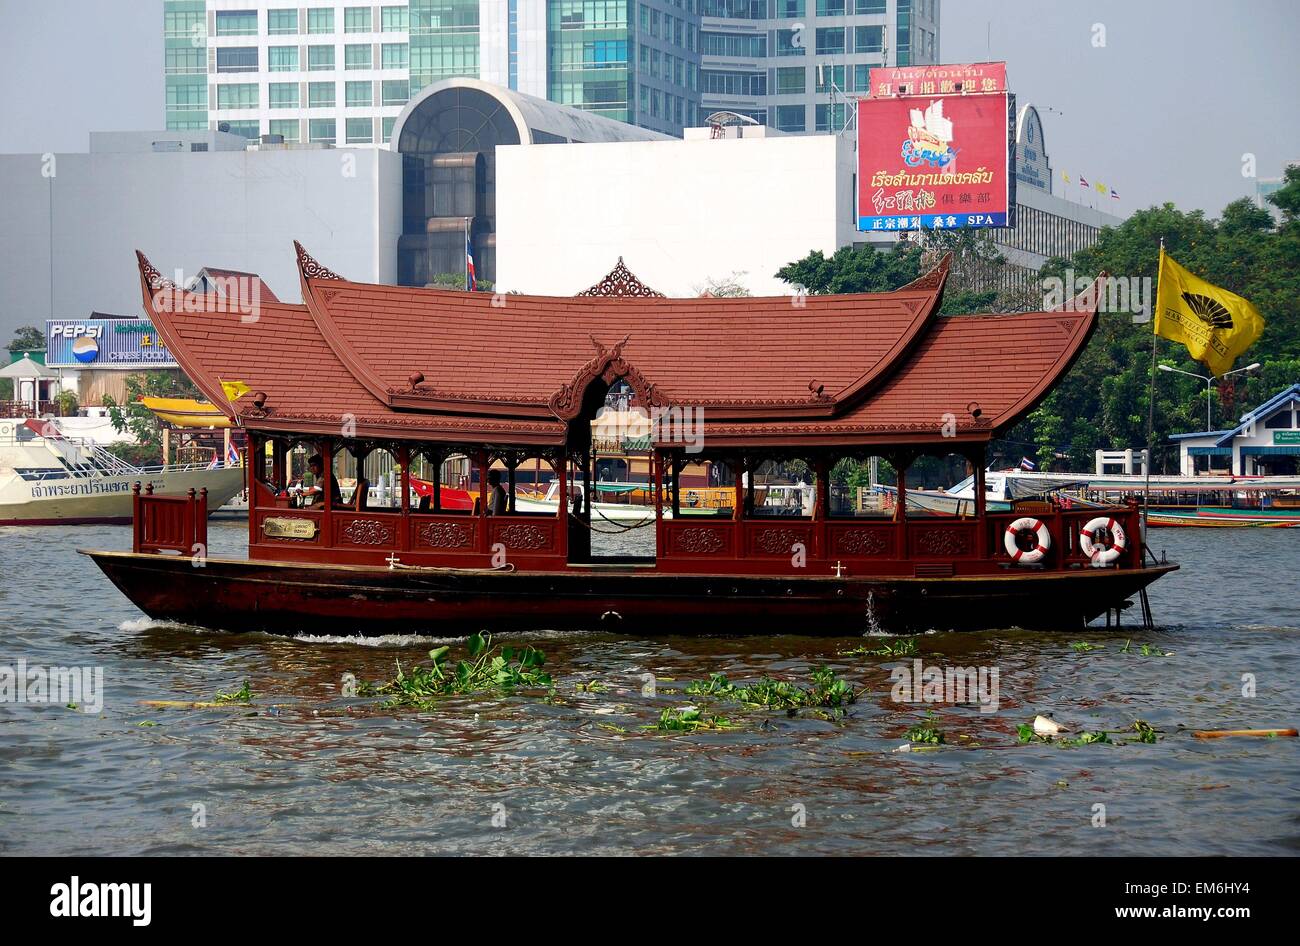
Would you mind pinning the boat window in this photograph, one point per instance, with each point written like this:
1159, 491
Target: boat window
707, 487
441, 481
862, 488
369, 477
929, 493
533, 494
784, 488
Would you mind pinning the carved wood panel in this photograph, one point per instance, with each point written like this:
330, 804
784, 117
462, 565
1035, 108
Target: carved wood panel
699, 540
536, 535
365, 531
448, 535
951, 540
778, 540
862, 541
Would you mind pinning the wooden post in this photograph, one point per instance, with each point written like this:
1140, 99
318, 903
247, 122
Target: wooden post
901, 461
821, 505
658, 466
137, 522
738, 513
404, 484
439, 459
738, 474
512, 463
201, 522
482, 500
982, 535
676, 485
254, 463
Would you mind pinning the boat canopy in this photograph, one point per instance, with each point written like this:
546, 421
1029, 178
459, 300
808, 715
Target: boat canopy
403, 363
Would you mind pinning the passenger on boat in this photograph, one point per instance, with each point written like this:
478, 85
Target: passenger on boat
498, 502
316, 493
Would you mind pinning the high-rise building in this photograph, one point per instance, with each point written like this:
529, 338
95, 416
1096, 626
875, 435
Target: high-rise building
797, 65
340, 73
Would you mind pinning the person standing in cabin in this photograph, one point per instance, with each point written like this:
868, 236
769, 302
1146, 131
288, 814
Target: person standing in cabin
498, 502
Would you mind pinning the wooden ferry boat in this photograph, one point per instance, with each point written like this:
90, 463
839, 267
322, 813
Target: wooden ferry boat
422, 374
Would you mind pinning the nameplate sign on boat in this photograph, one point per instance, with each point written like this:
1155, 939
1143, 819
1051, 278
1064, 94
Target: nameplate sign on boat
284, 527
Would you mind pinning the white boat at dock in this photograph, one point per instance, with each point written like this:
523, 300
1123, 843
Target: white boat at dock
47, 478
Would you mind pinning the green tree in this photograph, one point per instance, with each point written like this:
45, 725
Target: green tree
28, 338
139, 420
1104, 400
975, 268
854, 269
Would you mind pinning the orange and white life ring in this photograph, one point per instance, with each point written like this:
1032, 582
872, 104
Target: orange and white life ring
1101, 554
1043, 543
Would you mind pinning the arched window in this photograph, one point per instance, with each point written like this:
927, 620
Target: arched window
369, 476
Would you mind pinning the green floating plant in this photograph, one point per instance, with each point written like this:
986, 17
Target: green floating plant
690, 720
487, 668
827, 690
1146, 650
242, 696
925, 732
902, 647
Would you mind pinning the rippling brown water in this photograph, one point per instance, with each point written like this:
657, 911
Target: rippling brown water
307, 770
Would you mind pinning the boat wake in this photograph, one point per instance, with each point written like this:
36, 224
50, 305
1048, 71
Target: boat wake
136, 625
426, 640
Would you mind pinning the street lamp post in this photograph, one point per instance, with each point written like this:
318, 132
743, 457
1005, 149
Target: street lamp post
1209, 386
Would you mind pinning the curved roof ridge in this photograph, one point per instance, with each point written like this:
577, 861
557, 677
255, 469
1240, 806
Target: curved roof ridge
791, 354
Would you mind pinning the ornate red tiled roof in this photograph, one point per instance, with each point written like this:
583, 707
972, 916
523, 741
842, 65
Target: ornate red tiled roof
281, 353
427, 364
997, 365
800, 355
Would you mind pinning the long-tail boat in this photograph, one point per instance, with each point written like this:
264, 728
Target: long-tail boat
506, 380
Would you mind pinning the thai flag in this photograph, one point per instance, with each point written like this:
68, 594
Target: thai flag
1027, 464
232, 456
471, 281
1113, 194
216, 461
1083, 181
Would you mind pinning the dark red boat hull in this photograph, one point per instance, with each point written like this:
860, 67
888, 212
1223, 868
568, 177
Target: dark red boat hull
285, 598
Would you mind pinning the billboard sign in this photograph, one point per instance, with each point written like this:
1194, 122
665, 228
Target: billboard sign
960, 79
105, 343
936, 162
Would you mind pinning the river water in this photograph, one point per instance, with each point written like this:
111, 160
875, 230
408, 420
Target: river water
307, 770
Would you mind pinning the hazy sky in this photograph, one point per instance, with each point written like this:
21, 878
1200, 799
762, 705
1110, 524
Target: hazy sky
1163, 111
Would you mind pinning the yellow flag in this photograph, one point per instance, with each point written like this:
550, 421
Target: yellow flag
1101, 188
1214, 324
234, 389
1065, 176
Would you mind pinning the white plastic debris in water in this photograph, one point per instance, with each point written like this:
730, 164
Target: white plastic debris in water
1047, 727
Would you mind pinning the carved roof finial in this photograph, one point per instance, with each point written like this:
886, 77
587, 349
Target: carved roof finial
932, 280
620, 284
310, 268
156, 280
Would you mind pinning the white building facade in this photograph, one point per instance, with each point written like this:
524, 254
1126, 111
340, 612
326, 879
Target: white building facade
1265, 442
69, 223
680, 213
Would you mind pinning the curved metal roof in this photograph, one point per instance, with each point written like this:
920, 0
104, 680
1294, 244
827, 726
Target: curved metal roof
533, 115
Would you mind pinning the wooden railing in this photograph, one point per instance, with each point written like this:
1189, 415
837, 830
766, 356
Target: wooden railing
169, 523
919, 544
